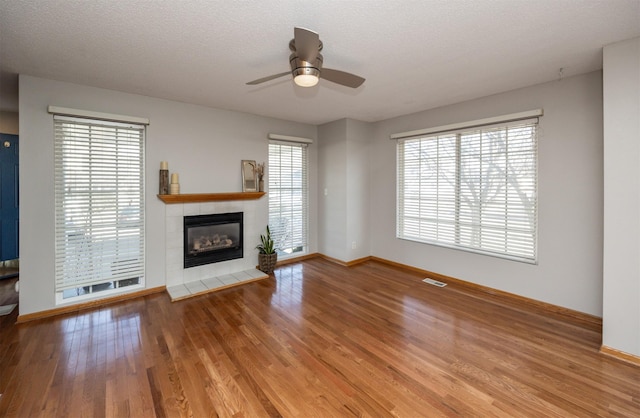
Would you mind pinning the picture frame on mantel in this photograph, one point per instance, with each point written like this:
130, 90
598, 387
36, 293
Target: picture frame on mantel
249, 181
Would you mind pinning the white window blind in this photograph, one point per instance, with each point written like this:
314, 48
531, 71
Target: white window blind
288, 196
473, 188
99, 199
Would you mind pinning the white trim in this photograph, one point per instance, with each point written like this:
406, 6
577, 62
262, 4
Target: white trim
65, 111
61, 302
473, 123
288, 138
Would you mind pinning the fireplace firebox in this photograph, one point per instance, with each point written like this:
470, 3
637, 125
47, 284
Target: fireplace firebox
212, 238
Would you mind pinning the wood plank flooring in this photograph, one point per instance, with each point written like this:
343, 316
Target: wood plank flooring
318, 340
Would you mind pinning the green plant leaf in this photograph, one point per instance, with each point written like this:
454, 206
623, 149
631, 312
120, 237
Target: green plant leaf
267, 245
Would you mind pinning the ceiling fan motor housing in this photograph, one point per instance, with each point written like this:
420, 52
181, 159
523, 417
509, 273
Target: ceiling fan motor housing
301, 67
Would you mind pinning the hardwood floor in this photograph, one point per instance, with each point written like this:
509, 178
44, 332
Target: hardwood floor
318, 340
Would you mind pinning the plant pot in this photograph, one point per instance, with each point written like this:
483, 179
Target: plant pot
267, 262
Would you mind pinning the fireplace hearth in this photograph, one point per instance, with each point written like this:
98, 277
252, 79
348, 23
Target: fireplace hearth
212, 238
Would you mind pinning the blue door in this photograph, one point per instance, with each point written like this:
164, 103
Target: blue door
9, 197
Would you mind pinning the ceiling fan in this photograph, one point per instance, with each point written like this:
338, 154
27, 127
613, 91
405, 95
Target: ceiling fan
306, 63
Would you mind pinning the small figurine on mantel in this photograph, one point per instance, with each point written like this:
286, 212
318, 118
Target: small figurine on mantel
260, 173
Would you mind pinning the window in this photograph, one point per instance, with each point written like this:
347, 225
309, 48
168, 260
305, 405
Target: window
99, 192
473, 188
288, 198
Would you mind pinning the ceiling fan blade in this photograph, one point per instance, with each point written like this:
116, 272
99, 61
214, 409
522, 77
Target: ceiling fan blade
271, 77
341, 77
307, 44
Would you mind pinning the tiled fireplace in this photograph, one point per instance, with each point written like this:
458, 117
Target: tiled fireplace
183, 282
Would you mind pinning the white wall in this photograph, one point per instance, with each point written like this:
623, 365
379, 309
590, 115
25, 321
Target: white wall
332, 186
570, 189
204, 145
343, 166
621, 82
358, 189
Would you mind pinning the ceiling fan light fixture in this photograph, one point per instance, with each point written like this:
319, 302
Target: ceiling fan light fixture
306, 80
306, 76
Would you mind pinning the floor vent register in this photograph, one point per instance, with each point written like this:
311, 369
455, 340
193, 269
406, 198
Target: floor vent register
434, 282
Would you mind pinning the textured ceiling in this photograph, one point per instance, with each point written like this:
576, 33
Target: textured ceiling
415, 55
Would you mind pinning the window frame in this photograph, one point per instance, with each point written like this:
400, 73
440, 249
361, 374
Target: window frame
110, 148
453, 238
276, 198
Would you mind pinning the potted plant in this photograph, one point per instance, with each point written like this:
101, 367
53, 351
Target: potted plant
267, 258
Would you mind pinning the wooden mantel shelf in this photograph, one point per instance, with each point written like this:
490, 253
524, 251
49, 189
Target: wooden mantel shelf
208, 197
